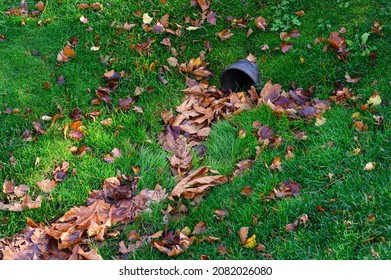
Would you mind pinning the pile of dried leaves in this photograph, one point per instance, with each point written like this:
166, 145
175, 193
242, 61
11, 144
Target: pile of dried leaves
67, 238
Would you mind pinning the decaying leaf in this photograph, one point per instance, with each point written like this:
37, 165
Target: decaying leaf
172, 244
302, 220
286, 189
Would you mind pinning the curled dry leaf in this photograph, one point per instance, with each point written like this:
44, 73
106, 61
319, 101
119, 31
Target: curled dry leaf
261, 23
224, 34
83, 20
197, 183
243, 233
302, 220
276, 165
172, 244
351, 80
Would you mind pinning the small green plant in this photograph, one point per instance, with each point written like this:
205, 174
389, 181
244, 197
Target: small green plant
324, 24
359, 46
284, 17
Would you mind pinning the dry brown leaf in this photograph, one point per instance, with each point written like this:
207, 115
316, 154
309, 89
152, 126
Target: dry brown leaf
224, 34
351, 80
247, 191
197, 183
276, 164
200, 228
286, 189
46, 185
261, 23
243, 233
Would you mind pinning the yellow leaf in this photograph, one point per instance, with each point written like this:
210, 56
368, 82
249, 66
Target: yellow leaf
186, 230
320, 120
302, 59
356, 115
251, 242
375, 99
192, 28
147, 19
369, 166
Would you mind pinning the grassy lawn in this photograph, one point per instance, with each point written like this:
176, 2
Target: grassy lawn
348, 208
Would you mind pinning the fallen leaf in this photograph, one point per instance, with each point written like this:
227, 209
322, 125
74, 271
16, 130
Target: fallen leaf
251, 242
303, 219
320, 120
286, 189
211, 18
199, 228
351, 80
276, 165
40, 6
204, 4
224, 34
247, 191
261, 23
147, 19
300, 13
286, 47
197, 183
369, 166
46, 185
243, 233
375, 99
83, 20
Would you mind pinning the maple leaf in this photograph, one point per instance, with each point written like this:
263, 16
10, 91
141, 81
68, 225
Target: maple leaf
93, 219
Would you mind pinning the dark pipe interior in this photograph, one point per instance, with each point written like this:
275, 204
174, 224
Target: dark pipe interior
235, 80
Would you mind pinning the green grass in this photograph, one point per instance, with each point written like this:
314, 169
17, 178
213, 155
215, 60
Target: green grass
342, 231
